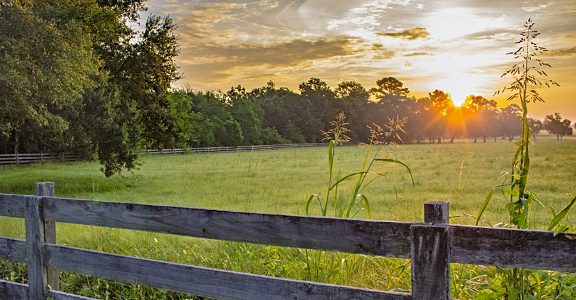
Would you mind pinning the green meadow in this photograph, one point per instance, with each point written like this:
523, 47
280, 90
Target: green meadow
280, 181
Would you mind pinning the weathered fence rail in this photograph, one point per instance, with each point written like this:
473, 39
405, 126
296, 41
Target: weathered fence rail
431, 245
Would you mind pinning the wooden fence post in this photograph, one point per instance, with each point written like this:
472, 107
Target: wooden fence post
430, 252
47, 189
35, 251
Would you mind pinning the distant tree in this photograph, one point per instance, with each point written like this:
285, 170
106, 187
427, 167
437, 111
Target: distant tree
272, 136
480, 117
421, 117
193, 129
567, 128
283, 110
389, 86
230, 133
321, 105
354, 99
558, 126
510, 121
352, 91
391, 93
535, 127
440, 104
248, 113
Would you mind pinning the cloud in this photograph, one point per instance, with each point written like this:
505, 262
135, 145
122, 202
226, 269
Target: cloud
418, 53
210, 64
535, 8
494, 34
280, 54
408, 34
561, 52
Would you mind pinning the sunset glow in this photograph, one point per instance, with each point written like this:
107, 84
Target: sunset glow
456, 46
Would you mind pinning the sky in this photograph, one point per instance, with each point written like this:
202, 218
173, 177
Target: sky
457, 46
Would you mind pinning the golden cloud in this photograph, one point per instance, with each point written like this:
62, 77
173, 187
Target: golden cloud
280, 54
571, 51
212, 62
417, 54
408, 34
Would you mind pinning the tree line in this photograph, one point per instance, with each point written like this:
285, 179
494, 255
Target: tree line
76, 77
271, 115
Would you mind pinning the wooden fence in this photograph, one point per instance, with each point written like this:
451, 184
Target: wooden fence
229, 148
431, 245
29, 158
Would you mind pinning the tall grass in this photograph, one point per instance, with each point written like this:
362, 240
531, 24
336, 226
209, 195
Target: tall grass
279, 182
334, 267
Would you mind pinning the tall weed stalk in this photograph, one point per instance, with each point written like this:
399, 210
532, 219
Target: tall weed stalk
527, 75
332, 267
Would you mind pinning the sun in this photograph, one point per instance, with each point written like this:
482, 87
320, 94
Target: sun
458, 95
458, 87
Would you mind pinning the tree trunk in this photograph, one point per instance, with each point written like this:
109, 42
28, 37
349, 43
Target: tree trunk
17, 146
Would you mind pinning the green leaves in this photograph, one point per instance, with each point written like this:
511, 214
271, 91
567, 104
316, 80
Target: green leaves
400, 163
561, 215
484, 206
344, 206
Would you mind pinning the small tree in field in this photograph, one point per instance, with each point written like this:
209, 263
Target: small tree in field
558, 126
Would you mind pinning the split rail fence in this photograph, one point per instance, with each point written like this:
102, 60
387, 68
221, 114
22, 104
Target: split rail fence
29, 158
431, 245
230, 148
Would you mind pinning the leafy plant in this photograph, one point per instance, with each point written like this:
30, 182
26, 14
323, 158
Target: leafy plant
527, 74
325, 266
344, 206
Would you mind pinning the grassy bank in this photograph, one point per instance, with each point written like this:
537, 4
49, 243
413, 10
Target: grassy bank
280, 182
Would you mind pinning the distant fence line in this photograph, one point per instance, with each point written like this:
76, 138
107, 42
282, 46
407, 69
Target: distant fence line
30, 158
229, 148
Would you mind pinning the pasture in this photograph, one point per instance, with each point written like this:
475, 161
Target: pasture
280, 182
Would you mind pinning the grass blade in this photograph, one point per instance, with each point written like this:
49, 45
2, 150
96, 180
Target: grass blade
366, 205
484, 205
309, 201
561, 215
400, 163
344, 178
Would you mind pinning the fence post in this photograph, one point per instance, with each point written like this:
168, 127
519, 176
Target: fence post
430, 252
35, 253
47, 189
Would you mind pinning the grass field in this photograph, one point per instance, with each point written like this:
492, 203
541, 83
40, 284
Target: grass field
280, 182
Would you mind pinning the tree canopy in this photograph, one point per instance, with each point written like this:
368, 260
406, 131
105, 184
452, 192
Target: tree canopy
75, 76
